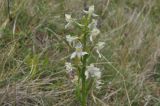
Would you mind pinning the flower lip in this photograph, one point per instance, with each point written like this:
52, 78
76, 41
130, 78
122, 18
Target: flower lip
98, 47
94, 33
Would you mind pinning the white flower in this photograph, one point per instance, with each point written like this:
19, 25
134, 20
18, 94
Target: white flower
90, 11
94, 30
94, 33
69, 67
93, 24
78, 53
69, 20
93, 72
71, 39
98, 47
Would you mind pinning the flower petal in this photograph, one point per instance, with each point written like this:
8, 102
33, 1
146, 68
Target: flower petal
91, 9
71, 39
94, 15
91, 38
68, 17
87, 74
94, 33
67, 25
73, 55
84, 53
86, 12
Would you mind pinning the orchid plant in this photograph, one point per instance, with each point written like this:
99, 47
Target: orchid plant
86, 74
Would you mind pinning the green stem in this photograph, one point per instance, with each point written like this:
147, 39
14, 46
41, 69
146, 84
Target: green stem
83, 90
84, 95
84, 60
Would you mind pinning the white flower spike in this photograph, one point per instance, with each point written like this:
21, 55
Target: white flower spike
94, 33
78, 53
98, 47
71, 40
90, 11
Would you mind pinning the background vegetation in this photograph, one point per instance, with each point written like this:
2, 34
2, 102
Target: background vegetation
33, 52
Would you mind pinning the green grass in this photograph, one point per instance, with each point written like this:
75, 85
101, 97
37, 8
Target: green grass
33, 52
